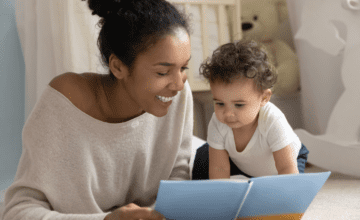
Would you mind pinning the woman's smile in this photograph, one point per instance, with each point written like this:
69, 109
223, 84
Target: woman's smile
165, 99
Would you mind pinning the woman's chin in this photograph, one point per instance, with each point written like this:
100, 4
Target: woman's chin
159, 113
161, 108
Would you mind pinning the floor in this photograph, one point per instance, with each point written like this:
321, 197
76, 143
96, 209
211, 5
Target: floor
338, 199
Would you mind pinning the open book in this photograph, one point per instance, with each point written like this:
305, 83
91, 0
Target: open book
260, 198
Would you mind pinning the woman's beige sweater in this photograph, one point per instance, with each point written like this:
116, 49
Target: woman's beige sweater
75, 167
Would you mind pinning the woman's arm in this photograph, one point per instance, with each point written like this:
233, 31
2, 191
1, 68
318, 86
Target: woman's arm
219, 164
284, 161
29, 203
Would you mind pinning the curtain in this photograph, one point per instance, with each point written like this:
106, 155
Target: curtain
56, 36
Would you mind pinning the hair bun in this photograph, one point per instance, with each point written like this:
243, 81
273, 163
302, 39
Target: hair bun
103, 8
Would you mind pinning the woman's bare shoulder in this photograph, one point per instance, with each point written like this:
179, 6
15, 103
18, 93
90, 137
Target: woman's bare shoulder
75, 87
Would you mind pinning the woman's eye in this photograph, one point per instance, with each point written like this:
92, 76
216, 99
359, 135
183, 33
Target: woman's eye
219, 104
239, 105
184, 68
162, 74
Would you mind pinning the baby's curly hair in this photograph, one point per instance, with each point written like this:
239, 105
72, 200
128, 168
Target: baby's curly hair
244, 58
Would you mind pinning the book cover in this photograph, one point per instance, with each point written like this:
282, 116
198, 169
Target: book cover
260, 198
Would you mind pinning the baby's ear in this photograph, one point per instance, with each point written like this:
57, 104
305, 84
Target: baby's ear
265, 97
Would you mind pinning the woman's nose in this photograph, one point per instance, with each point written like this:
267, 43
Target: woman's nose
179, 81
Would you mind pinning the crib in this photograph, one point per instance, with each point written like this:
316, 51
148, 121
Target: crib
214, 22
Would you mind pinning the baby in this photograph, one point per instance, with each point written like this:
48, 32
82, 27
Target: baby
247, 134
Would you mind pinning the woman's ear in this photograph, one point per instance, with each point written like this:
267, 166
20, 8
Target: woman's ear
117, 67
265, 97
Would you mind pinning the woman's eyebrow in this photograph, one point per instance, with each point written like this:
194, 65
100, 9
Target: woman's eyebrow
164, 64
168, 64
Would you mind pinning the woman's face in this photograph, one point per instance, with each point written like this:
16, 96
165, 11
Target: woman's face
159, 74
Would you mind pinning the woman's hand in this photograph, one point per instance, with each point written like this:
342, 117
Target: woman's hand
134, 212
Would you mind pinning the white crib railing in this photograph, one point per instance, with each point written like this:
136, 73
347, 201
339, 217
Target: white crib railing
228, 23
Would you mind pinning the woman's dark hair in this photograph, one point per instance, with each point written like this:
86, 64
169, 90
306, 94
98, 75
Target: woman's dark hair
244, 58
130, 27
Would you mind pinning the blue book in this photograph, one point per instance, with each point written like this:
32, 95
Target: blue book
260, 198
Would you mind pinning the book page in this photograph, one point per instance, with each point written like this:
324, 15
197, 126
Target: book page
200, 199
282, 195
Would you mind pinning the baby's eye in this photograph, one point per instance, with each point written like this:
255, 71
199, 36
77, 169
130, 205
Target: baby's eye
219, 104
239, 105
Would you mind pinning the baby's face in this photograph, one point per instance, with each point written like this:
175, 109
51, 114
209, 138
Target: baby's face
237, 104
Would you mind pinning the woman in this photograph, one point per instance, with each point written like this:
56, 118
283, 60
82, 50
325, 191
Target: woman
96, 146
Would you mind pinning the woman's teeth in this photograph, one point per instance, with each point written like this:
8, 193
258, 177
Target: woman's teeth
165, 99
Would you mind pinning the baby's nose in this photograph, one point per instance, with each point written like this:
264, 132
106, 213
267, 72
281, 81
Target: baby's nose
229, 112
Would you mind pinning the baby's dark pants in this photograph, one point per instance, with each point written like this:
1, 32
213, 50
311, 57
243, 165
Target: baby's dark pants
201, 163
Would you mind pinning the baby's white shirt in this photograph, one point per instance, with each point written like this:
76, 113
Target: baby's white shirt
272, 134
